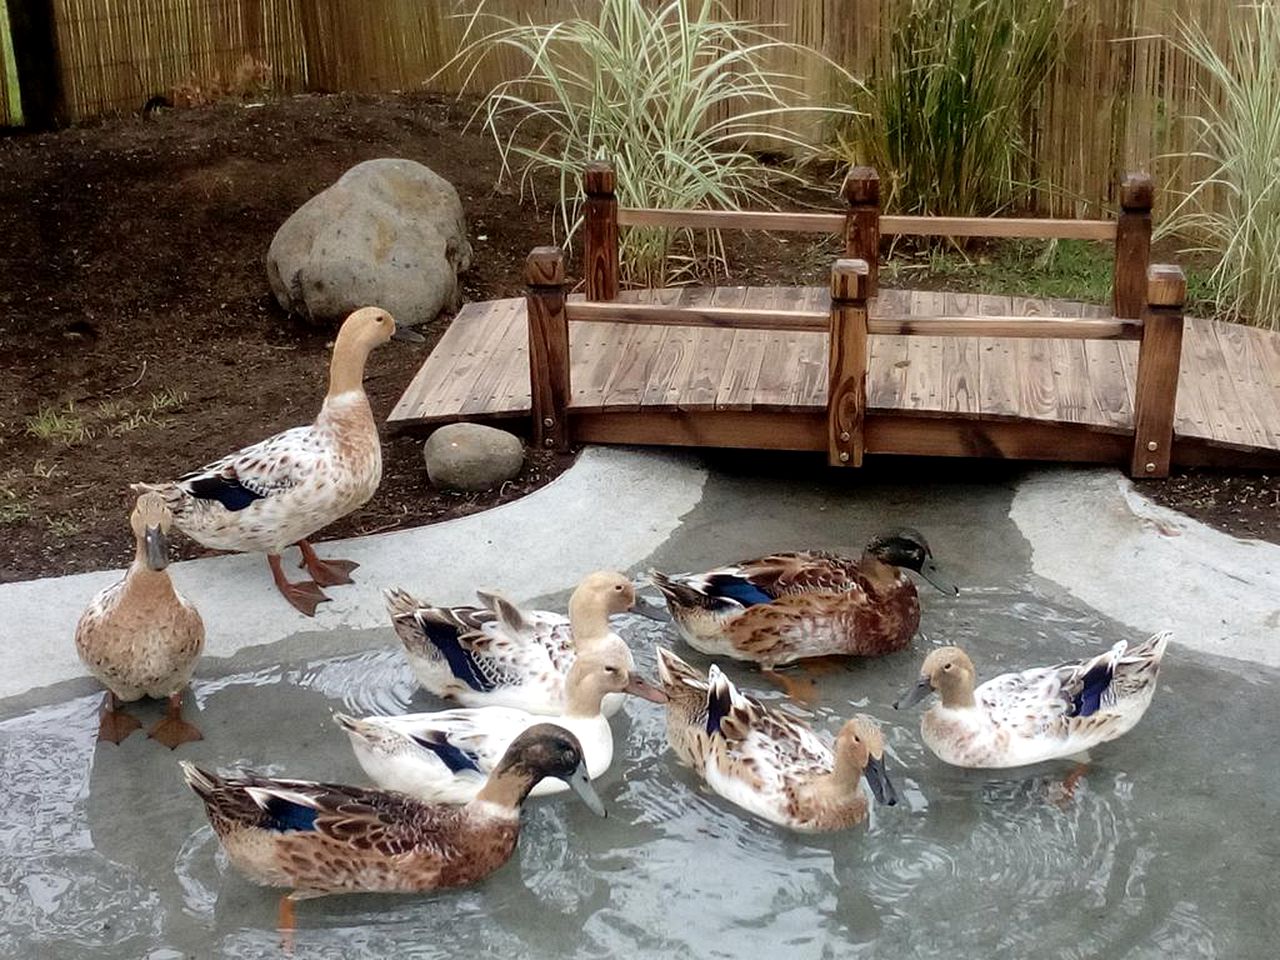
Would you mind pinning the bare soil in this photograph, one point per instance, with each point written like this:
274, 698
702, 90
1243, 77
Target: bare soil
139, 338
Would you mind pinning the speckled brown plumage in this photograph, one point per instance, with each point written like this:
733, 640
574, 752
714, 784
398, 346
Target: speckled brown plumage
788, 606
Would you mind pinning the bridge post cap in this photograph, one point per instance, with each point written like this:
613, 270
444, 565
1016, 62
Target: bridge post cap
849, 279
1137, 192
599, 177
544, 267
1166, 285
861, 186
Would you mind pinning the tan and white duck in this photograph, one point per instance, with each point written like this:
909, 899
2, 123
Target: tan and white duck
770, 763
280, 491
444, 757
1044, 713
141, 637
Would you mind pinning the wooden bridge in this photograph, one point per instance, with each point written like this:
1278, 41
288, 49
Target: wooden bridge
852, 369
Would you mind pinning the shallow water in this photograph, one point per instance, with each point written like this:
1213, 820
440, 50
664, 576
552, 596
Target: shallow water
1167, 848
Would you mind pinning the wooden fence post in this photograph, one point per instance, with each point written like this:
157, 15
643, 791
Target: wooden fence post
548, 347
847, 362
33, 32
600, 253
1159, 357
861, 190
1133, 245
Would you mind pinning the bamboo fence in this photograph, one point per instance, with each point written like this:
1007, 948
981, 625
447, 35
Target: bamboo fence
1114, 102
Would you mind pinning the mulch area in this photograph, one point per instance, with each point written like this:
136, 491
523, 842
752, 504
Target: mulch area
140, 339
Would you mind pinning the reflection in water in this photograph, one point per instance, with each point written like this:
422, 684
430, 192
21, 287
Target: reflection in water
1154, 853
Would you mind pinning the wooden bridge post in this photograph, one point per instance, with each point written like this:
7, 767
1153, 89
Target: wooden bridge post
1159, 357
548, 347
1133, 245
847, 362
861, 190
600, 253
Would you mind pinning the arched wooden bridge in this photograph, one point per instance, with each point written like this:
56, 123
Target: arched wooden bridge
852, 369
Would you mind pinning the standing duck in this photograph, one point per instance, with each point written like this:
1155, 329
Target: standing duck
140, 636
500, 655
767, 762
279, 492
789, 606
1040, 714
323, 838
444, 757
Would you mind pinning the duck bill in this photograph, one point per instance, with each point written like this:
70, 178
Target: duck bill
929, 570
923, 687
580, 784
408, 335
651, 610
640, 687
156, 547
878, 779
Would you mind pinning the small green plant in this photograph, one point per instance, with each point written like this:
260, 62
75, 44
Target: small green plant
944, 118
677, 95
13, 507
62, 527
62, 426
1235, 209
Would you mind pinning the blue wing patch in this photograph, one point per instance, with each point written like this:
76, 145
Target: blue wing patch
462, 664
1093, 686
735, 588
718, 704
231, 493
456, 759
286, 815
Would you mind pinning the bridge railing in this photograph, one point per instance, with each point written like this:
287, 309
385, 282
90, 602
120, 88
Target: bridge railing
863, 224
848, 325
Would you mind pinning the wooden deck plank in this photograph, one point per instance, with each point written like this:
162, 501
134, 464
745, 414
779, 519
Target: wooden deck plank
924, 357
424, 396
773, 386
506, 374
737, 387
496, 329
711, 347
1258, 387
1229, 406
960, 390
1107, 385
671, 354
887, 357
809, 383
635, 364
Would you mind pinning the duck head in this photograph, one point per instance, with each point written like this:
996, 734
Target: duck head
905, 547
361, 332
548, 750
151, 520
597, 597
605, 669
860, 747
949, 671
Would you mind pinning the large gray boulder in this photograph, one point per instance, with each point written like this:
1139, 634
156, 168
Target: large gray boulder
390, 233
471, 457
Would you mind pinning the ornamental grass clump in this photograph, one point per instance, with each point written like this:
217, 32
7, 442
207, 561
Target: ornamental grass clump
1234, 211
677, 95
945, 117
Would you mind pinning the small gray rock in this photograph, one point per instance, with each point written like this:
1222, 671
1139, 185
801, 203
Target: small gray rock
472, 457
390, 233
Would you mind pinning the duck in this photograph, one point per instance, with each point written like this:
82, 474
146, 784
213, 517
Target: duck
768, 762
445, 756
500, 655
1045, 713
790, 606
141, 637
280, 491
316, 839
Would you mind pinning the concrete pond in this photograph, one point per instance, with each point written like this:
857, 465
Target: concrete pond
1165, 847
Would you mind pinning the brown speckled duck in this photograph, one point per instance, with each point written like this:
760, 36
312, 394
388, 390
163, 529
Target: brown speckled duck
323, 838
767, 762
789, 606
280, 491
140, 636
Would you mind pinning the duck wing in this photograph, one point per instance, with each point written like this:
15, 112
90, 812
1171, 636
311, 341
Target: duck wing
266, 469
1043, 701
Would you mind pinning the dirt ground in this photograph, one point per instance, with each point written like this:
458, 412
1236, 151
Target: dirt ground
140, 339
